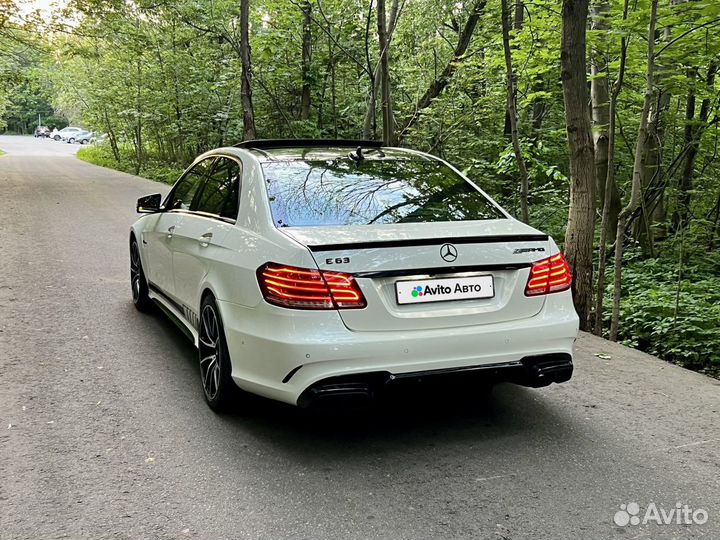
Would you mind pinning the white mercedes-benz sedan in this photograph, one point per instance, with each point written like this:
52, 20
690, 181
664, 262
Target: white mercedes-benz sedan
309, 271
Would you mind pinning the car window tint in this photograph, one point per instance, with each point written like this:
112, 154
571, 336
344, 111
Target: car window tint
374, 191
219, 195
232, 202
184, 191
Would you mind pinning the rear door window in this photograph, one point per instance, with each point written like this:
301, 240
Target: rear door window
373, 191
219, 194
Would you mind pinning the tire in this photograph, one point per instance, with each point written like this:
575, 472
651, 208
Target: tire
71, 141
138, 282
220, 391
56, 138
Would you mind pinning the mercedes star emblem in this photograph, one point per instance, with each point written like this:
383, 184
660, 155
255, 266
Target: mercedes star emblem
448, 252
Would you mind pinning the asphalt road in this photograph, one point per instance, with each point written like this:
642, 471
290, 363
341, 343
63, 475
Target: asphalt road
104, 432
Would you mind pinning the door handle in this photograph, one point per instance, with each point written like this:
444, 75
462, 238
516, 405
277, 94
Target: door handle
205, 239
170, 231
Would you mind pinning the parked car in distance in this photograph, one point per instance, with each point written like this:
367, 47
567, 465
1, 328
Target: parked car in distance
65, 132
99, 138
42, 131
312, 271
82, 137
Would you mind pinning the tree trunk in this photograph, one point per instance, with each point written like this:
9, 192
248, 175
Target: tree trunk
385, 98
178, 145
643, 227
111, 136
693, 136
249, 132
600, 97
333, 89
306, 59
538, 110
581, 218
512, 113
608, 225
653, 215
519, 15
715, 228
138, 120
440, 83
369, 122
638, 171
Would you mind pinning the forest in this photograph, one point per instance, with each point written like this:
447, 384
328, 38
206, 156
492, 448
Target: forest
596, 122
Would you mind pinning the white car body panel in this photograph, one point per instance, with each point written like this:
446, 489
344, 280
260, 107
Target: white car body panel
157, 246
194, 254
273, 344
279, 352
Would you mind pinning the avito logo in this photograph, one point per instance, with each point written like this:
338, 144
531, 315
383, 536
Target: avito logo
682, 514
428, 290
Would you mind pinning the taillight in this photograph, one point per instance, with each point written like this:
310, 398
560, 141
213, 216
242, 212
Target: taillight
548, 276
305, 288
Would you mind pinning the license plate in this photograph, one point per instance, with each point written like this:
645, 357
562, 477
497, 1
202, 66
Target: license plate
442, 290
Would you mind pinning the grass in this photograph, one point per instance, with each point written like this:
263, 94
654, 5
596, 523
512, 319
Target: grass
2, 153
153, 169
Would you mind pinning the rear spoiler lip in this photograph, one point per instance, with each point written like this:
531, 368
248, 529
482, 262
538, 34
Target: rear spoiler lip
492, 239
442, 270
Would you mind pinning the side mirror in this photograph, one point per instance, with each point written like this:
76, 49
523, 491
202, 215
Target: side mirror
149, 204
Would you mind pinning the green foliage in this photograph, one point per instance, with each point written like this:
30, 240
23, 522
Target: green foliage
25, 89
153, 169
548, 196
677, 320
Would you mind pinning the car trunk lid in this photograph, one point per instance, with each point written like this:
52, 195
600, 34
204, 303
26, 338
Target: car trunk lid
470, 273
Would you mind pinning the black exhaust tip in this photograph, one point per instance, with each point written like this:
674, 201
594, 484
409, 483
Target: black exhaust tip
546, 369
344, 392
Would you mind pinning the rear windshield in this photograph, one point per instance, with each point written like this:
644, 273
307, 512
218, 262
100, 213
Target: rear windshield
344, 192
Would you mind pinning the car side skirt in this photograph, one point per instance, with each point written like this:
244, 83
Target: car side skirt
174, 312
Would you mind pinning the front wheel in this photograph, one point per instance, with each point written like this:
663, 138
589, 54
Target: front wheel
215, 368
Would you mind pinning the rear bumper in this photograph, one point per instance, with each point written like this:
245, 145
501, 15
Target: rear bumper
360, 389
287, 355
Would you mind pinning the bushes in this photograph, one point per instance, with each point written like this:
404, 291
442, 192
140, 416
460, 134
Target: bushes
676, 320
153, 169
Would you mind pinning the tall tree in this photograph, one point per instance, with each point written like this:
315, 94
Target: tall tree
638, 170
608, 224
385, 97
305, 95
512, 111
369, 122
581, 217
694, 129
601, 115
249, 131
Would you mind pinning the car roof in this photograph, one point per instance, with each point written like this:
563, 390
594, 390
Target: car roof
320, 150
